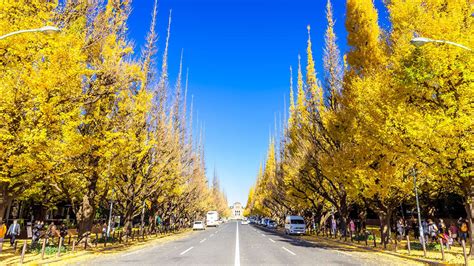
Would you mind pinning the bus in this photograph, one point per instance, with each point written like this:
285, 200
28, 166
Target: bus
212, 218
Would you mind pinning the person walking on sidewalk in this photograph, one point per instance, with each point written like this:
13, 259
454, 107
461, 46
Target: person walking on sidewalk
463, 231
13, 231
442, 227
3, 232
400, 229
352, 227
36, 233
333, 226
453, 232
426, 233
63, 231
432, 230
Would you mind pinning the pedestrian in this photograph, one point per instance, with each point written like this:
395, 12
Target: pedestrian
13, 231
333, 226
35, 233
52, 231
453, 232
63, 230
3, 232
415, 227
400, 229
426, 234
442, 227
104, 230
352, 227
463, 231
432, 230
408, 227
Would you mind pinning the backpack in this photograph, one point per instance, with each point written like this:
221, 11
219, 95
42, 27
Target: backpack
464, 227
432, 229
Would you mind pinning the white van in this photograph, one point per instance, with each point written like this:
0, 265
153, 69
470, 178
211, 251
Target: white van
294, 225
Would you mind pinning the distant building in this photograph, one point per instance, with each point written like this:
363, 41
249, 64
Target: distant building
236, 211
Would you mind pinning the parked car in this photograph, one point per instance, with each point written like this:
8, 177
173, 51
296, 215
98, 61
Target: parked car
265, 221
294, 225
199, 225
244, 222
272, 224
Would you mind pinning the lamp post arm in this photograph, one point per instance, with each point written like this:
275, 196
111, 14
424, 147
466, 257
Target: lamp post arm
453, 43
17, 32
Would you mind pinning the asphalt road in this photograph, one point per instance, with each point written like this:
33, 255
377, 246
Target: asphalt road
235, 244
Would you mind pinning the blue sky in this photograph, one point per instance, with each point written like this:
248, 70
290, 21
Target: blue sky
238, 53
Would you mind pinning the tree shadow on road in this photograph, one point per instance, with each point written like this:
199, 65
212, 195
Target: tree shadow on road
297, 241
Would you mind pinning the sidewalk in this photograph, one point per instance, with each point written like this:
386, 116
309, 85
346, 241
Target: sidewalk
80, 255
433, 257
452, 257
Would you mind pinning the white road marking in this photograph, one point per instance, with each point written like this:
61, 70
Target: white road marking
263, 235
237, 251
211, 235
272, 240
289, 251
182, 253
342, 252
202, 240
131, 253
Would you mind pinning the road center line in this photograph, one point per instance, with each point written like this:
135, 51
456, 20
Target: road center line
202, 240
272, 240
182, 253
289, 251
237, 251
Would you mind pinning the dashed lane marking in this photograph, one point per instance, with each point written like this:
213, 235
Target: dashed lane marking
272, 240
211, 235
131, 253
289, 251
184, 252
202, 240
342, 252
263, 235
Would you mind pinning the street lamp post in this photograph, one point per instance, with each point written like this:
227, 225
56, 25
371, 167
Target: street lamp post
420, 41
45, 29
110, 213
422, 237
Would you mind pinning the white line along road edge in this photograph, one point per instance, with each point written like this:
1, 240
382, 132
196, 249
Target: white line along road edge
182, 253
237, 251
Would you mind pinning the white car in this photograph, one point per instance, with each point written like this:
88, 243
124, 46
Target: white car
245, 222
199, 225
